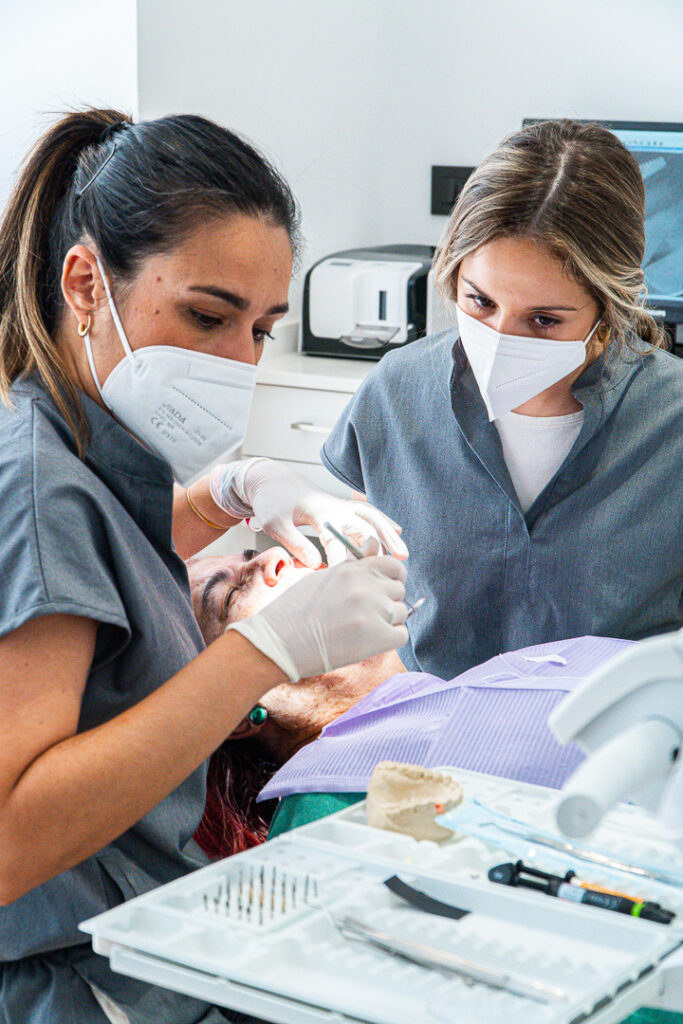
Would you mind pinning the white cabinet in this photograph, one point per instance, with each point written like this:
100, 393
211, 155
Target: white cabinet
292, 423
298, 399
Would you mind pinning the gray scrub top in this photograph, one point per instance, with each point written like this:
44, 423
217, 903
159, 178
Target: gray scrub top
92, 537
599, 552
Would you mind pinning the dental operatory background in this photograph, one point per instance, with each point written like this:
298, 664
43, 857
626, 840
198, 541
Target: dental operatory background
356, 102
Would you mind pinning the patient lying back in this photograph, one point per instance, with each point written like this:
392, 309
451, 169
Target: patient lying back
227, 588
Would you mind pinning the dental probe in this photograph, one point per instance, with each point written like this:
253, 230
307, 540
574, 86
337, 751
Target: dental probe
443, 960
357, 553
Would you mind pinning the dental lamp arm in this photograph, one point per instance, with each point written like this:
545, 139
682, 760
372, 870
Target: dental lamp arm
621, 766
628, 717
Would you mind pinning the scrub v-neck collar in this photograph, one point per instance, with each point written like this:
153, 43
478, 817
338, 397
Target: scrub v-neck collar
598, 389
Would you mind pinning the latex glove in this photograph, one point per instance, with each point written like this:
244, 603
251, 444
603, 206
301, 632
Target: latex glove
332, 618
281, 500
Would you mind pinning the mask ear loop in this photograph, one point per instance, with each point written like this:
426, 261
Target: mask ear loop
592, 332
85, 334
91, 362
115, 313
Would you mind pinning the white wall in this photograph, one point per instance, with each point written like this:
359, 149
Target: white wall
59, 55
483, 65
303, 80
355, 99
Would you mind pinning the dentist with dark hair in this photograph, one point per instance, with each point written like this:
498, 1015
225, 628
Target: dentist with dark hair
142, 266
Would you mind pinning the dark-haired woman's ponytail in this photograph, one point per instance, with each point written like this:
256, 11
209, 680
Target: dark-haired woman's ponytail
44, 182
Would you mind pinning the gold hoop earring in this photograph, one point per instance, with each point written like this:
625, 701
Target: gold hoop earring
602, 333
83, 329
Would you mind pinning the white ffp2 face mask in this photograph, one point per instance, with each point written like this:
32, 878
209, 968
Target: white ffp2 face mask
510, 369
190, 408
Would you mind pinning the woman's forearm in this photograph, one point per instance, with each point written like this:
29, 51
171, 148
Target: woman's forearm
190, 533
85, 791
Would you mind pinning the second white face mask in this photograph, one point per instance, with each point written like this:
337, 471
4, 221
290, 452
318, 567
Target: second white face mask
190, 408
510, 369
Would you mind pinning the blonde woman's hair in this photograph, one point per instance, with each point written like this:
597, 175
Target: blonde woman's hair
576, 190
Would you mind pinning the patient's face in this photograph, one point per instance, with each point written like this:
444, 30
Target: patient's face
227, 588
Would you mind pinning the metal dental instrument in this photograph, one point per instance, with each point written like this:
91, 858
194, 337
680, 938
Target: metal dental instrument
589, 855
442, 960
357, 553
238, 896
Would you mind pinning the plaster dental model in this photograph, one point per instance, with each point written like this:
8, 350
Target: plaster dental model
406, 798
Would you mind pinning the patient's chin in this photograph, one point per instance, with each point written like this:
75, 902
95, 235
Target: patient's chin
298, 712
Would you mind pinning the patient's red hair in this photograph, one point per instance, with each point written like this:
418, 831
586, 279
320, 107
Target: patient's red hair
233, 821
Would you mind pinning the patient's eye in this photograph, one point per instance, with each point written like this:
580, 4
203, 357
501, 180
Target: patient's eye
248, 554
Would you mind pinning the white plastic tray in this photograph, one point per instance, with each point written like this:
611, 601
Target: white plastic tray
253, 932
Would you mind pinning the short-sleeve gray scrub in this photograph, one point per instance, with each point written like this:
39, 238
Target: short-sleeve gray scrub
93, 538
599, 552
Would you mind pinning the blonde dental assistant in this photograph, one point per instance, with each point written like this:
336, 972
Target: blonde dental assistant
141, 267
534, 456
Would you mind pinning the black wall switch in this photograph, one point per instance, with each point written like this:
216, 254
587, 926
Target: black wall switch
447, 183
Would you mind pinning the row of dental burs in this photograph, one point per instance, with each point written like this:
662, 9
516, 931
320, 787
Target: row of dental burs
259, 896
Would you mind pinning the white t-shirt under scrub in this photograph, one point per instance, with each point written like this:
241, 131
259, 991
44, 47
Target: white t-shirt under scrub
534, 448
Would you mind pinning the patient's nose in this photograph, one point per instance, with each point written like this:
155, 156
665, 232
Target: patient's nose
271, 563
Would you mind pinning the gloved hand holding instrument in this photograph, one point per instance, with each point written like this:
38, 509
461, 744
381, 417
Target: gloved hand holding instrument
333, 618
282, 500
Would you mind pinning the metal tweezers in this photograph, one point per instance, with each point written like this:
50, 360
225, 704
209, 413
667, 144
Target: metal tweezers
442, 960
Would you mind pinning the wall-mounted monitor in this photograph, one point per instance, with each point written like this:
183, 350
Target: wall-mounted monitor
658, 148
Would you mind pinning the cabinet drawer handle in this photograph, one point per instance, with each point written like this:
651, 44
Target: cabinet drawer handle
310, 428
